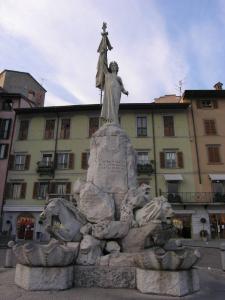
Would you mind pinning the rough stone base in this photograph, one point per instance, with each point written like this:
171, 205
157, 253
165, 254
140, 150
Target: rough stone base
44, 278
104, 277
173, 283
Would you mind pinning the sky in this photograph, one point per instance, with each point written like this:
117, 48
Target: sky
157, 44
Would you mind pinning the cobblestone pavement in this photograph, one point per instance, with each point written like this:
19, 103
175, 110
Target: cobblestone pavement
212, 284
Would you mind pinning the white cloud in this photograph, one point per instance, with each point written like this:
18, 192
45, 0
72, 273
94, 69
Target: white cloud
67, 34
53, 100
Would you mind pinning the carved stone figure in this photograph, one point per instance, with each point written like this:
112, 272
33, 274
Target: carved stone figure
157, 209
63, 220
54, 254
107, 80
90, 250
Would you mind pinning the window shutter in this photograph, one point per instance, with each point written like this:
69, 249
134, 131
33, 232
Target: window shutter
52, 188
180, 159
198, 104
93, 125
207, 127
35, 190
215, 103
71, 160
168, 126
11, 162
23, 132
23, 190
162, 160
8, 132
56, 160
68, 187
8, 190
6, 151
27, 162
84, 164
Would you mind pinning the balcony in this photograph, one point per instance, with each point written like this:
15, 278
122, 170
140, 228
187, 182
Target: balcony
145, 168
196, 198
45, 168
68, 197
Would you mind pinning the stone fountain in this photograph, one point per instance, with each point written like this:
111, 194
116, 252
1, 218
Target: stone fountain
114, 234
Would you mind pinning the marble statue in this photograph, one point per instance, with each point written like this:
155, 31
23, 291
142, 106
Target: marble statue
113, 233
108, 81
63, 220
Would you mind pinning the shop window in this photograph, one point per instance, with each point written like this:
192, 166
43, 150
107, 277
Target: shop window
49, 129
65, 129
182, 224
168, 126
217, 225
23, 131
142, 126
25, 227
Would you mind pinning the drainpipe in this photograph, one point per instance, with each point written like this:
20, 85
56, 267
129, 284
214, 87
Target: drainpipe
154, 153
196, 145
56, 144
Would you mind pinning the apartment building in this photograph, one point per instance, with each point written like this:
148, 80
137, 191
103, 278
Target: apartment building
17, 90
51, 148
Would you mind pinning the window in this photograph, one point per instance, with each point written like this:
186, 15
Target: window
16, 190
93, 125
47, 159
19, 162
5, 125
40, 190
172, 187
142, 158
168, 126
213, 154
171, 159
218, 187
7, 105
65, 129
210, 127
207, 103
84, 160
141, 126
49, 129
3, 151
61, 188
23, 131
62, 160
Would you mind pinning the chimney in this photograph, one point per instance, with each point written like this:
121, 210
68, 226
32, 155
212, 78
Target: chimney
218, 86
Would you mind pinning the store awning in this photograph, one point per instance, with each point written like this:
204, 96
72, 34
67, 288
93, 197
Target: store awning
173, 177
220, 177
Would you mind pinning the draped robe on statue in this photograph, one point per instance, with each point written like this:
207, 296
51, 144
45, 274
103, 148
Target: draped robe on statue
110, 83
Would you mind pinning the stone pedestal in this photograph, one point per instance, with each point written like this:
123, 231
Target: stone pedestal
104, 277
170, 283
44, 278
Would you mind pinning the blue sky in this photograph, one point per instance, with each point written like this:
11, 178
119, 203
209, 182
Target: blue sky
157, 43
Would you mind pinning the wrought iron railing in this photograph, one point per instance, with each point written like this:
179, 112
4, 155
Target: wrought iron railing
145, 168
45, 167
195, 197
68, 197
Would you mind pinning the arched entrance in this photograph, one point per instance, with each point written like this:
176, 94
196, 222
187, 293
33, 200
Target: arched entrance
25, 226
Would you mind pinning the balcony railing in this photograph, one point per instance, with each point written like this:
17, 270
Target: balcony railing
145, 168
68, 197
45, 167
191, 197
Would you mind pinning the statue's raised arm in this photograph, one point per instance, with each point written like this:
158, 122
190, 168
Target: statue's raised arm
108, 81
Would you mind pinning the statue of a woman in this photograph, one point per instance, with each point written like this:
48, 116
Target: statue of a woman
108, 81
